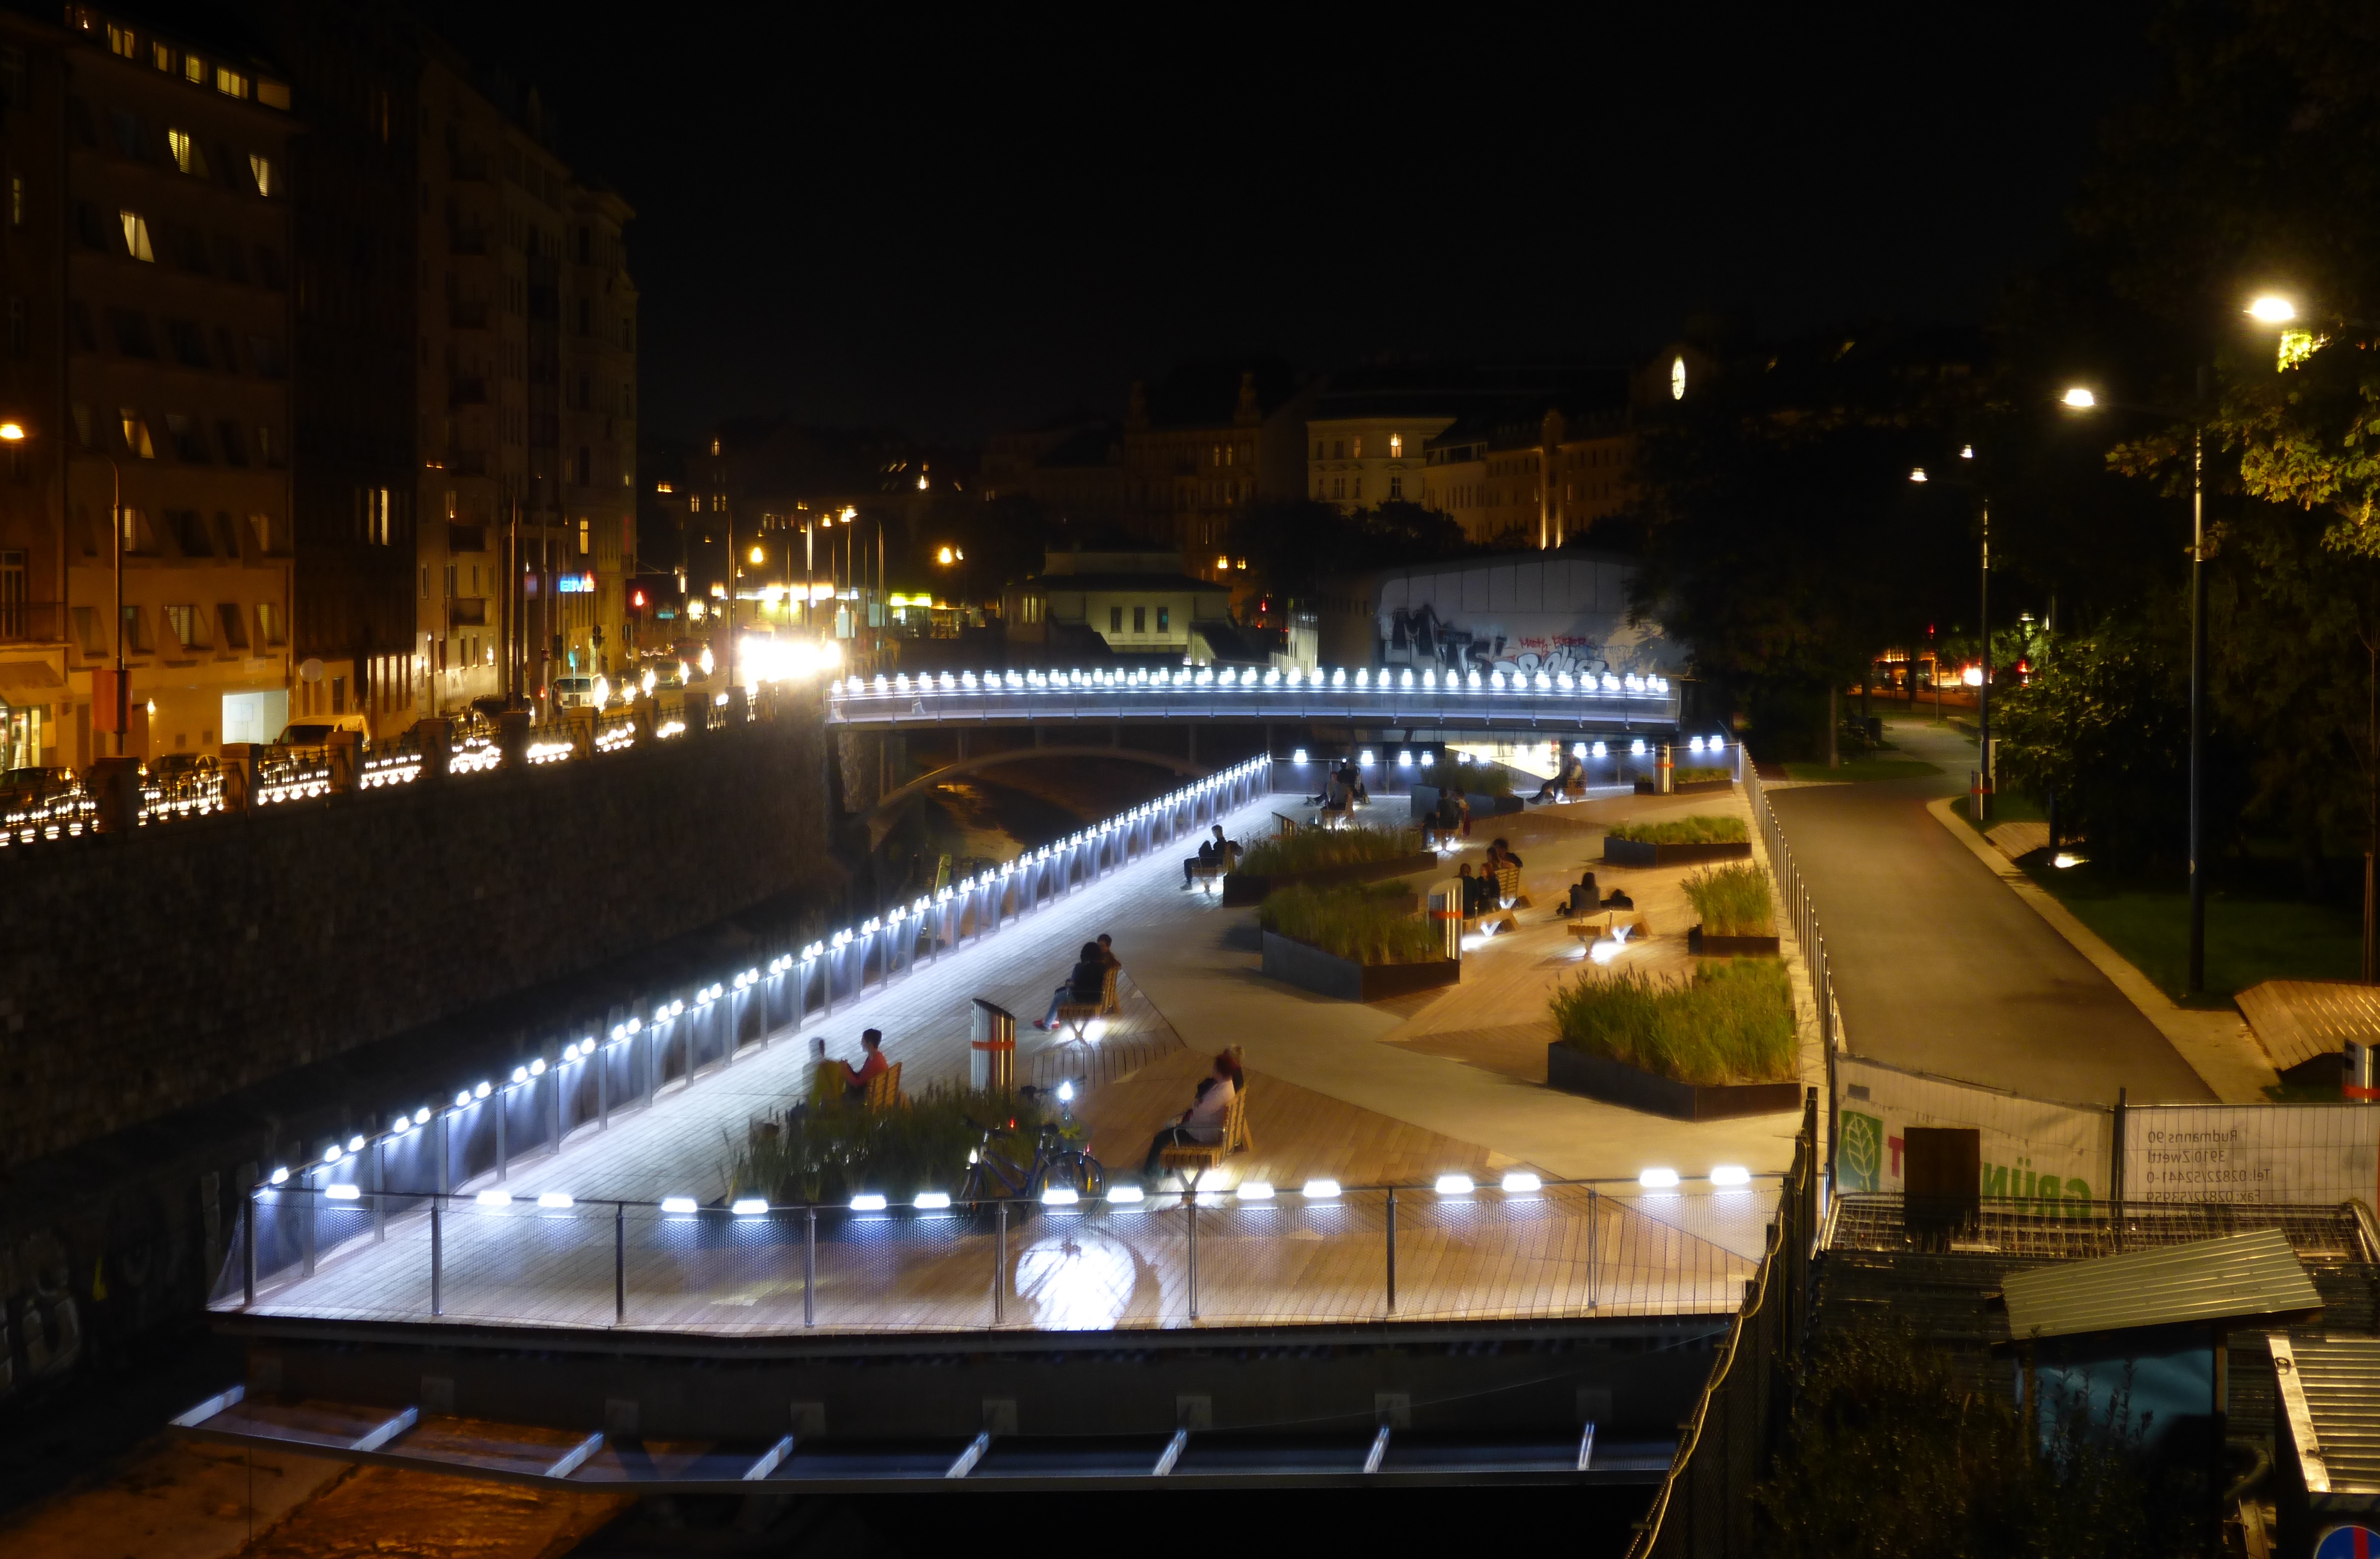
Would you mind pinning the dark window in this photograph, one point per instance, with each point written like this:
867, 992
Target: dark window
131, 135
12, 75
78, 123
268, 268
235, 447
190, 343
226, 355
235, 625
96, 228
187, 246
1140, 619
265, 352
189, 531
1116, 620
228, 260
133, 337
21, 328
1164, 616
189, 437
227, 542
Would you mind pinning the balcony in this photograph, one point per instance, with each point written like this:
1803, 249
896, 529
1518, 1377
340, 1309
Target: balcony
467, 316
467, 240
463, 391
33, 622
467, 611
466, 539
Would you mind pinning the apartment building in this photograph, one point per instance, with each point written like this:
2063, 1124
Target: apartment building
1203, 446
174, 222
527, 402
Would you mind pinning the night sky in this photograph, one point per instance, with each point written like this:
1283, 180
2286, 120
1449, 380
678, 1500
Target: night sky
893, 218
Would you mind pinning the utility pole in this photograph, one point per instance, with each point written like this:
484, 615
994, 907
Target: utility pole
2195, 979
1984, 692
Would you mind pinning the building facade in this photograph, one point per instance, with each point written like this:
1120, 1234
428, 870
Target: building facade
163, 320
1139, 603
1205, 446
1364, 458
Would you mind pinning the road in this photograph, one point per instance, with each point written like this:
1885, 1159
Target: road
1938, 967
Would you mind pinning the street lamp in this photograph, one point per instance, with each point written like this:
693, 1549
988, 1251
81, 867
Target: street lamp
2081, 399
2272, 308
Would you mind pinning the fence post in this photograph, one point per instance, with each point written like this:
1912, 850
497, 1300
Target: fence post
1000, 1262
603, 1088
619, 1261
2116, 1172
1393, 1250
248, 1249
1591, 1247
313, 1222
1191, 1203
809, 1269
503, 1153
438, 1255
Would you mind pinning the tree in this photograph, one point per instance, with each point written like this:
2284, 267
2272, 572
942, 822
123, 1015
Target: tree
2104, 726
1293, 546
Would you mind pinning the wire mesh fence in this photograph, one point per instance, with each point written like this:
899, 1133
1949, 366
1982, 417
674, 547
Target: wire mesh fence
1117, 1262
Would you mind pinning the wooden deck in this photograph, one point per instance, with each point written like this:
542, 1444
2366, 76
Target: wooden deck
2302, 1021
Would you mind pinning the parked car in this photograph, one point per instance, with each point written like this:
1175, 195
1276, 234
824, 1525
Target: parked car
581, 693
315, 729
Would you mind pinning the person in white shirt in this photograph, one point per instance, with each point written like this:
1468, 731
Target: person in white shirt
1203, 1122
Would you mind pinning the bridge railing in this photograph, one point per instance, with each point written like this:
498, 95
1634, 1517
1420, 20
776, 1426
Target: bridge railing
1803, 911
382, 1248
1565, 701
590, 1072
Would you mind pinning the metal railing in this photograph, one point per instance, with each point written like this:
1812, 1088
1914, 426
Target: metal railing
1498, 700
173, 793
585, 1077
1803, 912
374, 1246
1704, 1506
48, 812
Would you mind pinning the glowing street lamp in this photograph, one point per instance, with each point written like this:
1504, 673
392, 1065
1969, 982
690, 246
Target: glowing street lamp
2080, 399
2272, 308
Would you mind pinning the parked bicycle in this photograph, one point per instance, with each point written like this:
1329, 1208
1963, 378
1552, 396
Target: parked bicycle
1061, 1160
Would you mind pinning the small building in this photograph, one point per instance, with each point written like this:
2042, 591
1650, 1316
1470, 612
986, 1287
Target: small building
1138, 603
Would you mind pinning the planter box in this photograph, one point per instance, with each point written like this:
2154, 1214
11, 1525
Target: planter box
1616, 1083
1685, 787
1424, 802
1635, 852
1733, 947
1239, 888
1300, 963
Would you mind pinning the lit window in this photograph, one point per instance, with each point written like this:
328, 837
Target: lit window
188, 155
195, 69
584, 539
230, 82
183, 622
119, 40
260, 169
135, 435
1396, 446
1357, 451
161, 56
136, 237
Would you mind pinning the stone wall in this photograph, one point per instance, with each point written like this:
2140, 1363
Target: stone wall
157, 972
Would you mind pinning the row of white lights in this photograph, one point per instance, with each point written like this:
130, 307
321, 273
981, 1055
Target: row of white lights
1579, 749
1051, 681
583, 1048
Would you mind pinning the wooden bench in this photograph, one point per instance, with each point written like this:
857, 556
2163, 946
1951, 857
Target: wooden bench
1192, 1160
1201, 874
1595, 927
833, 1082
1077, 1015
1508, 889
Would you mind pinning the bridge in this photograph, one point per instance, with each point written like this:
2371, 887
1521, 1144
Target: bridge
1606, 705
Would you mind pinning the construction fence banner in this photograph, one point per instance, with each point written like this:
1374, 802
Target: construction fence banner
2032, 1149
2252, 1152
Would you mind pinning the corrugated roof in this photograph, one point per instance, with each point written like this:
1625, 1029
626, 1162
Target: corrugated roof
2330, 1399
2237, 1277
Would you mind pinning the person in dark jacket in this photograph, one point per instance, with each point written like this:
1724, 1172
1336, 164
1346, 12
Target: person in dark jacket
1085, 985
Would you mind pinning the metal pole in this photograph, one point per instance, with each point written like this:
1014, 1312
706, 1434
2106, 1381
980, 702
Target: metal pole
437, 1255
248, 1249
1591, 1251
999, 1262
809, 1269
2194, 980
123, 689
1191, 1203
1983, 692
1393, 1250
619, 1261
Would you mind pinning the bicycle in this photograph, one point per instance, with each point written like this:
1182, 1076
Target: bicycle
1059, 1161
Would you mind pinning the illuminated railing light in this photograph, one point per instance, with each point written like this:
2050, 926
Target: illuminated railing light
750, 1206
1059, 1196
1521, 1183
343, 1191
493, 1199
932, 1201
678, 1205
1123, 1195
1657, 1179
1455, 1185
554, 1199
1255, 1190
1731, 1175
868, 1201
280, 1177
1319, 1190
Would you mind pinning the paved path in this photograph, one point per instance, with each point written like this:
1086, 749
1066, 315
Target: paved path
1937, 966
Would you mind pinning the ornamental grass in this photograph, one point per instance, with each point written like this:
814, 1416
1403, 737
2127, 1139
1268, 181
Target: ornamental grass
830, 1149
1731, 1023
1310, 850
1733, 901
1375, 924
1476, 779
1703, 827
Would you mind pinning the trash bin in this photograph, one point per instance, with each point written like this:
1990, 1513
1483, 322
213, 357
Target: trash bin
2363, 1080
991, 1049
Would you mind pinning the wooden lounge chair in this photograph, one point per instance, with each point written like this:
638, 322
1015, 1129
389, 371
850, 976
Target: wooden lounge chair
884, 1089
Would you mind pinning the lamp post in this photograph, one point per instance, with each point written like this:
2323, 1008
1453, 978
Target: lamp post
2081, 399
1983, 798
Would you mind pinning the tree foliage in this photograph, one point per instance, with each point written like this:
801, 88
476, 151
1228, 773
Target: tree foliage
2104, 727
1293, 546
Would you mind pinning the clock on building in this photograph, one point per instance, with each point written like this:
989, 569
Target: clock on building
1678, 379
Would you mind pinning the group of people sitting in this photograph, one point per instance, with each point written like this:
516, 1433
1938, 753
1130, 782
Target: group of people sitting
1570, 775
1585, 898
1087, 982
1479, 892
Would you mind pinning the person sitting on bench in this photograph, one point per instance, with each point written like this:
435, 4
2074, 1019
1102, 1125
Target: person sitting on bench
872, 1066
1500, 855
1478, 892
1085, 983
1203, 1122
1620, 901
1216, 851
1107, 951
1571, 769
1582, 896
